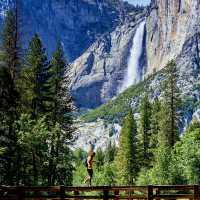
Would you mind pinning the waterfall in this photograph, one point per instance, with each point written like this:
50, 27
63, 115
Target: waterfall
134, 73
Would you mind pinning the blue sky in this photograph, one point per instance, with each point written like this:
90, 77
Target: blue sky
140, 2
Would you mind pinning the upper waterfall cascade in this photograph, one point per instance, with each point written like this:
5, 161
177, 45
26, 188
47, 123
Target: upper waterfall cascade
134, 72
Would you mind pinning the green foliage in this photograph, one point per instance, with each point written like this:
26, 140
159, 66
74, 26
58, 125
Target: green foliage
9, 99
105, 176
155, 128
110, 152
145, 130
187, 155
161, 171
144, 177
10, 44
169, 122
34, 138
32, 77
126, 159
58, 102
115, 110
99, 158
79, 174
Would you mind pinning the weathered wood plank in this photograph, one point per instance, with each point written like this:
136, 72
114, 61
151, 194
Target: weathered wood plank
131, 192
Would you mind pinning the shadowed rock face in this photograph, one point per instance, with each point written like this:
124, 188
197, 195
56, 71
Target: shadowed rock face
170, 25
77, 23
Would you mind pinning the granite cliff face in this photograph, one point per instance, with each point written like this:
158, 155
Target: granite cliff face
172, 27
99, 72
172, 32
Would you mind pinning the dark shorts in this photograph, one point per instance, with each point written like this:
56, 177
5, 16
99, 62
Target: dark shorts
90, 172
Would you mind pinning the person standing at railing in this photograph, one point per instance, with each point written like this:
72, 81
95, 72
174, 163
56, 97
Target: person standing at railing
89, 165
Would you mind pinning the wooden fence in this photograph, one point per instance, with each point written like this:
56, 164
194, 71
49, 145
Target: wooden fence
101, 192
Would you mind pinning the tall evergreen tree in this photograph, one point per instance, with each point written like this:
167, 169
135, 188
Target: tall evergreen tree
144, 130
9, 95
169, 116
59, 107
58, 101
155, 128
126, 159
33, 77
31, 85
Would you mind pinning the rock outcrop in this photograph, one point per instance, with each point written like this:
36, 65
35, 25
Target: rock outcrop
98, 133
172, 27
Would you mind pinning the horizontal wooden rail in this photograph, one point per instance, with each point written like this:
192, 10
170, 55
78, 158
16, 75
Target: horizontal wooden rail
150, 192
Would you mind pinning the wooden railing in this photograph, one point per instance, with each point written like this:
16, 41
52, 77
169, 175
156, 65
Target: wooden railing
101, 192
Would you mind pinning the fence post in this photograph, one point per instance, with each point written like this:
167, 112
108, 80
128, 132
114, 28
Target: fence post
76, 193
105, 194
150, 192
116, 193
157, 194
62, 192
196, 192
20, 193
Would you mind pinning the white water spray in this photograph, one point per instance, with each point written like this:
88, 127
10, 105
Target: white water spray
133, 74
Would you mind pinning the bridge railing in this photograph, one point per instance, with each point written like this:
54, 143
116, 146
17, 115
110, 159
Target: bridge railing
101, 192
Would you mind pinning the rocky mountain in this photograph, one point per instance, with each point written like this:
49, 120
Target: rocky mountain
99, 72
172, 32
97, 34
77, 23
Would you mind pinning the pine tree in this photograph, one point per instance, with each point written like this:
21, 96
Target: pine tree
169, 116
58, 101
168, 127
144, 131
155, 129
33, 77
31, 84
126, 159
9, 95
58, 107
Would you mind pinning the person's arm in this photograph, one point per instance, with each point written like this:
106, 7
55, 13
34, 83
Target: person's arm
89, 161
